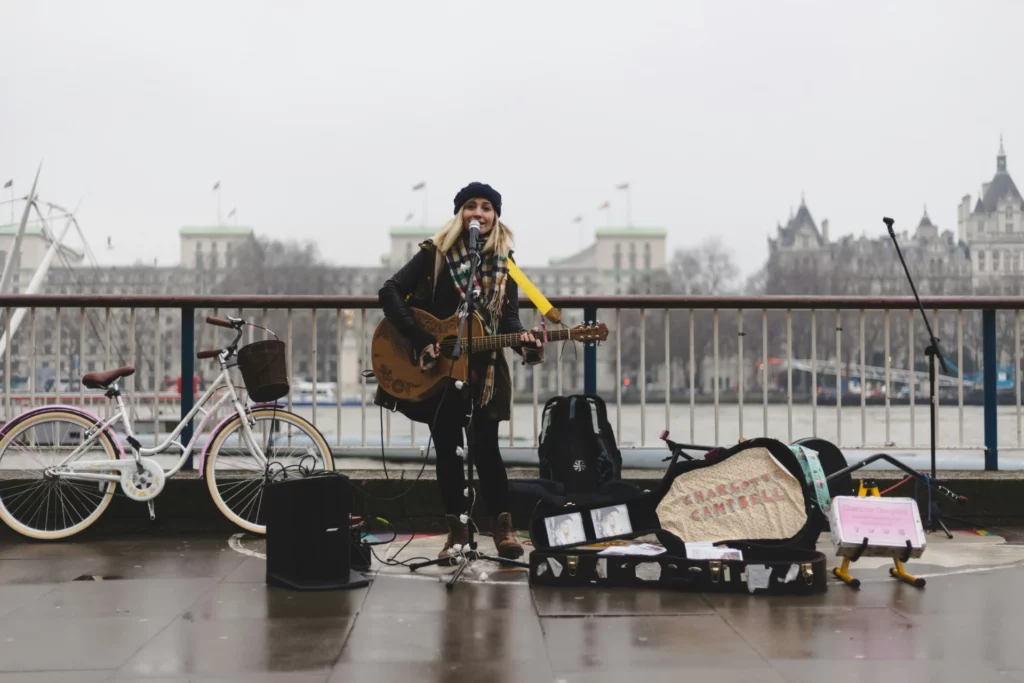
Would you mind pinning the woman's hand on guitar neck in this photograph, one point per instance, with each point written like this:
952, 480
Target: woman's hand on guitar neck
428, 357
532, 356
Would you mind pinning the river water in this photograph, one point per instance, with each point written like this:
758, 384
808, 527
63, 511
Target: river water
635, 427
960, 442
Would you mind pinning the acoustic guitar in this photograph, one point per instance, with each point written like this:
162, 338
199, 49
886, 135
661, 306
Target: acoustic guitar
398, 373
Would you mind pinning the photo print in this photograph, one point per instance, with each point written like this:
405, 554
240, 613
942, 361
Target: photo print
565, 529
611, 521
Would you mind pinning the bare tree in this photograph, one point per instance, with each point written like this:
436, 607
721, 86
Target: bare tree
293, 267
708, 269
275, 267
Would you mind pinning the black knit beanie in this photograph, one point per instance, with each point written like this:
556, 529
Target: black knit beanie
478, 191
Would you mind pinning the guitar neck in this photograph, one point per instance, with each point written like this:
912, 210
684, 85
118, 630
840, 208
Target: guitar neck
501, 341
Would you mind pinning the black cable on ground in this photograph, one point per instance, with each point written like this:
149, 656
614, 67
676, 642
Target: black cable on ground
391, 562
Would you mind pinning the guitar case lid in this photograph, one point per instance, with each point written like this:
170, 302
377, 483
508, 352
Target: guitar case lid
752, 492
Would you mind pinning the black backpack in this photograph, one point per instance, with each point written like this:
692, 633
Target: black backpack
577, 445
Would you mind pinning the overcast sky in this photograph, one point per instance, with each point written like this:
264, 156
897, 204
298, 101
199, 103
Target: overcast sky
318, 118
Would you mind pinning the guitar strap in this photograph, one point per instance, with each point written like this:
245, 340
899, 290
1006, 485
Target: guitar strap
538, 299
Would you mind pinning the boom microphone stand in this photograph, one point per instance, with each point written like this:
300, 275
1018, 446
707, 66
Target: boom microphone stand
932, 352
466, 328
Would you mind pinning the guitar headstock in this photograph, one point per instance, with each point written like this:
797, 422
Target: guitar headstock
590, 332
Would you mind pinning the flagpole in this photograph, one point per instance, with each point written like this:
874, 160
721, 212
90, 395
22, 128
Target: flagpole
220, 219
629, 204
418, 187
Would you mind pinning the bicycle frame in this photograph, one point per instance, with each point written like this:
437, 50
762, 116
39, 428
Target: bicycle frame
76, 470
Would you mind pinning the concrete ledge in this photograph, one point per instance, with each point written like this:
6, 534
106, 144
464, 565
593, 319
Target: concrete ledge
185, 505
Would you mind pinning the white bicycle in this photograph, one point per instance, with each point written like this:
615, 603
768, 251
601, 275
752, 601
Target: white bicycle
60, 465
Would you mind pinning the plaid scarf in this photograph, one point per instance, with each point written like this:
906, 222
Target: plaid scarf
490, 279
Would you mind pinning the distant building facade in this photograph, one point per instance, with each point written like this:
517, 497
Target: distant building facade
807, 261
986, 256
213, 247
995, 230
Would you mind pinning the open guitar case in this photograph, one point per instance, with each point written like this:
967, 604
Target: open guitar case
779, 565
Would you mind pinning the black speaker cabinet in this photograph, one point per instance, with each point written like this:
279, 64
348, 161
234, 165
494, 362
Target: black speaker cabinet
308, 538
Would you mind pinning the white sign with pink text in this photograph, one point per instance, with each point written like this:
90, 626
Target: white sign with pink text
886, 523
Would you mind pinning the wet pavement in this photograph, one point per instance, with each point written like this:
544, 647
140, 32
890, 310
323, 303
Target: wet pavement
198, 609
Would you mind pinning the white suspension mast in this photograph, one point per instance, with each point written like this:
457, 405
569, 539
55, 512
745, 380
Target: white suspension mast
40, 275
14, 253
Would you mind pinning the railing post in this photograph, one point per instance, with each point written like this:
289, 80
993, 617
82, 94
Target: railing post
590, 356
188, 373
988, 345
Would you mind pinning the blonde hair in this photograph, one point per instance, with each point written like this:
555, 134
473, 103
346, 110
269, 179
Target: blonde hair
499, 239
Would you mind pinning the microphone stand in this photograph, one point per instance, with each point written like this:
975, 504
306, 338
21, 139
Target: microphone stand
932, 352
466, 329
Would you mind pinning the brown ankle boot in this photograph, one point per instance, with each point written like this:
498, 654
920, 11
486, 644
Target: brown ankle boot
505, 537
458, 534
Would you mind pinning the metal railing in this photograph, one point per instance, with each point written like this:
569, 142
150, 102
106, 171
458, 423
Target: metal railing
673, 351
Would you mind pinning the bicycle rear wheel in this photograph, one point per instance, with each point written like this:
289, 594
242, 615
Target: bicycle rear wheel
49, 507
235, 477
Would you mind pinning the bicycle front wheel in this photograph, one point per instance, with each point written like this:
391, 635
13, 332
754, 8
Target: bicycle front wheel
237, 479
37, 499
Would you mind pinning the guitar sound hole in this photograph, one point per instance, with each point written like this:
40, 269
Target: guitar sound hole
448, 347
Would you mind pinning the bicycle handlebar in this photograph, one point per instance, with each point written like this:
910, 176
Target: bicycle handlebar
231, 324
219, 322
678, 448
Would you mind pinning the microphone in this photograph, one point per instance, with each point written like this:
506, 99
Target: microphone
474, 234
888, 222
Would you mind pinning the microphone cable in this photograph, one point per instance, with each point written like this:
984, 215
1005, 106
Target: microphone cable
391, 561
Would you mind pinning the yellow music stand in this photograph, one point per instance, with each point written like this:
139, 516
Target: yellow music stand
897, 572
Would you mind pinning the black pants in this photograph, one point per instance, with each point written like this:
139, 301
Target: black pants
487, 464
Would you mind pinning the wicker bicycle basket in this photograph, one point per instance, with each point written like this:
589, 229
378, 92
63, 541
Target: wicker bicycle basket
264, 370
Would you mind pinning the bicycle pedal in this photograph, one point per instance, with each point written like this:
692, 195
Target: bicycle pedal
152, 511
